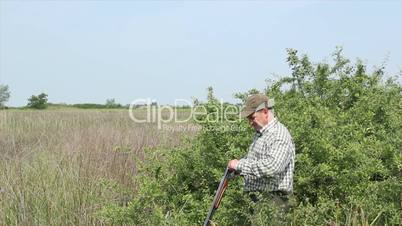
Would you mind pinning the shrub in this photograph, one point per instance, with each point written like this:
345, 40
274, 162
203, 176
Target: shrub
4, 95
38, 102
346, 124
111, 103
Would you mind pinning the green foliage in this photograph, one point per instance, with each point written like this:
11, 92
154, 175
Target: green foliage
111, 103
243, 96
346, 124
38, 102
89, 106
177, 186
4, 95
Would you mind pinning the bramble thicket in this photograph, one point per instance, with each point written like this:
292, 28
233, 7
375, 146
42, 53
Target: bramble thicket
346, 124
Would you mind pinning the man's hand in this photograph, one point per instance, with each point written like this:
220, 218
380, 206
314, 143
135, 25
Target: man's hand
233, 164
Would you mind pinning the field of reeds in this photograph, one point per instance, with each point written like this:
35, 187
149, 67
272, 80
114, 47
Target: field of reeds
60, 167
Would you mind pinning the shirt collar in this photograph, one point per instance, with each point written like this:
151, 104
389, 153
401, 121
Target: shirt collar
268, 126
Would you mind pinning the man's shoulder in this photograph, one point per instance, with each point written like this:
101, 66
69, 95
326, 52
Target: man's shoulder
281, 126
281, 131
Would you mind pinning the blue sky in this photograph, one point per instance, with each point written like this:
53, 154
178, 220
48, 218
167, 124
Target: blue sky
90, 51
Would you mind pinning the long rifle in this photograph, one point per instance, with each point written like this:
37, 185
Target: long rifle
218, 196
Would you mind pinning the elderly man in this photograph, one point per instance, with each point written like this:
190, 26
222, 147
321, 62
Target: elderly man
268, 167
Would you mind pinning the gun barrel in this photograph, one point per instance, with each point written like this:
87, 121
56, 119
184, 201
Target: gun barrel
218, 197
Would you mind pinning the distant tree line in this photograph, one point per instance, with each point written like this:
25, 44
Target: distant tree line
41, 102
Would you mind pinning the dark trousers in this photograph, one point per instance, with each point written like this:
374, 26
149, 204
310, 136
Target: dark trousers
277, 199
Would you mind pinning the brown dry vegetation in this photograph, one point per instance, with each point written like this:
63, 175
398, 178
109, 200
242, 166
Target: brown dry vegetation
59, 167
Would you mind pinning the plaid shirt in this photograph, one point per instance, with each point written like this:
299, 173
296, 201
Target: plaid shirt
269, 163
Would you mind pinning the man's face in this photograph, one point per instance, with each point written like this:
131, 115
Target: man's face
258, 119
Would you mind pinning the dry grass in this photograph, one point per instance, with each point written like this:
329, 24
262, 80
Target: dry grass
60, 167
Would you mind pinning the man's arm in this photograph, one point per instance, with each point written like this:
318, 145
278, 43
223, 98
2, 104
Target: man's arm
272, 163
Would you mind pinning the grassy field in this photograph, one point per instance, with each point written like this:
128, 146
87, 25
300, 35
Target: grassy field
61, 166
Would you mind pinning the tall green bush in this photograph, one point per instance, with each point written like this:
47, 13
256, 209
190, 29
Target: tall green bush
4, 95
38, 102
346, 124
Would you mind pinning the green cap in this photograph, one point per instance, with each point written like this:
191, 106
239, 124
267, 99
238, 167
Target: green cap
255, 103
